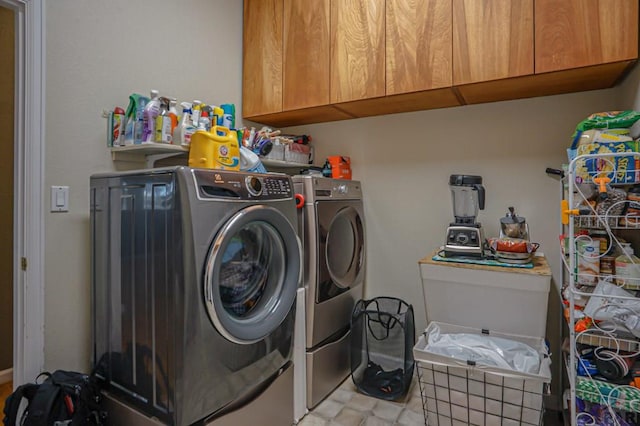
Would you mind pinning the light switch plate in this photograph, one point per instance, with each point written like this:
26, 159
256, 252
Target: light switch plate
59, 198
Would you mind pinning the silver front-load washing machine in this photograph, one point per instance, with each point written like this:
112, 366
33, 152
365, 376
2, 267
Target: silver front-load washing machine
194, 277
333, 234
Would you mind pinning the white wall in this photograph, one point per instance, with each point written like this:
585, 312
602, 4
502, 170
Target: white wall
629, 90
98, 52
405, 160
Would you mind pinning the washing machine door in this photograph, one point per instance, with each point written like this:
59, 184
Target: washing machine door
341, 241
252, 274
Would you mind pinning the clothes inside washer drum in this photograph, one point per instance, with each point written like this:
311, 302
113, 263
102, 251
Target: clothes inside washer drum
242, 284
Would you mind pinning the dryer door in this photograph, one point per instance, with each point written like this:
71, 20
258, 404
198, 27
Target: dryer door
341, 243
252, 274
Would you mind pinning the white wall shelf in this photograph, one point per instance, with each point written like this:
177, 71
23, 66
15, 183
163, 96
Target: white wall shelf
283, 164
148, 153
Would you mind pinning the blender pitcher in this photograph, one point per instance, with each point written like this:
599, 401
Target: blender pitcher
467, 195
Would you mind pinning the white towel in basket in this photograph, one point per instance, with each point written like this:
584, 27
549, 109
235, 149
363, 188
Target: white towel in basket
484, 349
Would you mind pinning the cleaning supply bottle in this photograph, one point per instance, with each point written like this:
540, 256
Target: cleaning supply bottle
134, 111
205, 117
627, 267
216, 149
218, 118
173, 113
229, 115
184, 130
196, 109
151, 111
163, 123
250, 162
118, 123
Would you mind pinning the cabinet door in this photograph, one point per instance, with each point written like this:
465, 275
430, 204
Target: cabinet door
306, 53
357, 49
492, 39
262, 57
578, 33
418, 45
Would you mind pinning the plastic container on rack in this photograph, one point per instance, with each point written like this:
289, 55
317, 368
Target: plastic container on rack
276, 153
465, 391
296, 153
627, 266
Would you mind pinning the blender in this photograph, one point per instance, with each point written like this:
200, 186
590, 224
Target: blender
464, 236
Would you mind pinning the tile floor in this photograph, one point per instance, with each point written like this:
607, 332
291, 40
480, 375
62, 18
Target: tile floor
346, 407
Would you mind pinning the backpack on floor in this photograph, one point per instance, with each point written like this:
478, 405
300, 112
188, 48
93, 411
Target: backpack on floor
65, 398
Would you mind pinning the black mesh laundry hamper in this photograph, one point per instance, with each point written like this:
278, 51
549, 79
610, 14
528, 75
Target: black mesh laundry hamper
382, 339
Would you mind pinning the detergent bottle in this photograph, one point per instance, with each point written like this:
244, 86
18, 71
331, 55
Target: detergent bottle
215, 149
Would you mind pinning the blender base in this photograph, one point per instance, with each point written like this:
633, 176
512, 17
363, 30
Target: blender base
464, 241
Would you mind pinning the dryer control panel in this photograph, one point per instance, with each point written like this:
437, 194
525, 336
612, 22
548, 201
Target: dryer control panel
326, 189
219, 184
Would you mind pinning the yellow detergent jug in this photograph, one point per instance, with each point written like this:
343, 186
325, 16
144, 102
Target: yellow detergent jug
217, 149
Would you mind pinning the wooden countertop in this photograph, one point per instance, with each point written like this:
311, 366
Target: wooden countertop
540, 266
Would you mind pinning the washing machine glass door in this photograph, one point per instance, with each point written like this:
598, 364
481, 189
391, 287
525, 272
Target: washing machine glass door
341, 247
252, 274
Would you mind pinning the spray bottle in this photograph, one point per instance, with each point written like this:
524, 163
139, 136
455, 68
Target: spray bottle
196, 108
217, 116
134, 111
151, 111
184, 130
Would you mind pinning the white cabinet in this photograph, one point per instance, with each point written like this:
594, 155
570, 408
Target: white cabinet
603, 347
508, 300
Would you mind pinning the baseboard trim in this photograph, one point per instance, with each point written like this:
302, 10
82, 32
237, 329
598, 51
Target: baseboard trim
6, 375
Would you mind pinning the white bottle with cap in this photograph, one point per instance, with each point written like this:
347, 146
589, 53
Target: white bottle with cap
628, 267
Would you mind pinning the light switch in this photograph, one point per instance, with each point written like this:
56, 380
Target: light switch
59, 198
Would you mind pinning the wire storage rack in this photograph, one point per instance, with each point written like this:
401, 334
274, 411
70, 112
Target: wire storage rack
603, 310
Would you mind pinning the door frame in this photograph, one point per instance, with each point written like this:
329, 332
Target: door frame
28, 209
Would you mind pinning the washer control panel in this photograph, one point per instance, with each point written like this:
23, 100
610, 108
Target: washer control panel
218, 184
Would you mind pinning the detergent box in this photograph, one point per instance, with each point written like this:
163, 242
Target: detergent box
620, 169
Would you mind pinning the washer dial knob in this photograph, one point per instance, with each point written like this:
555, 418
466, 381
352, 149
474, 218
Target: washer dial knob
254, 185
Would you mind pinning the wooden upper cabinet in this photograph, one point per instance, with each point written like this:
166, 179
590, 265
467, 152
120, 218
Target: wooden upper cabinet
578, 33
262, 57
306, 53
492, 39
357, 49
418, 45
